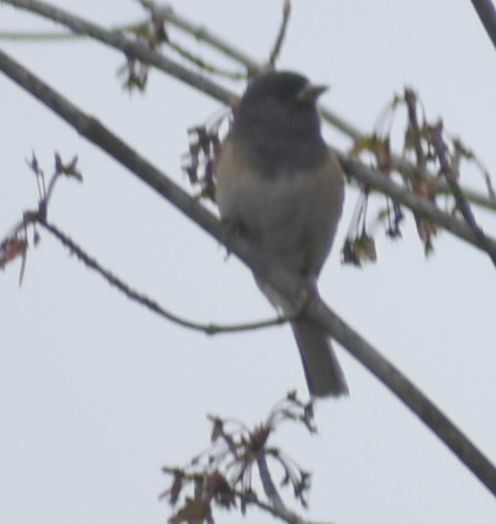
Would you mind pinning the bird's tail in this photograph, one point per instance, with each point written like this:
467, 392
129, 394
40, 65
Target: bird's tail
322, 370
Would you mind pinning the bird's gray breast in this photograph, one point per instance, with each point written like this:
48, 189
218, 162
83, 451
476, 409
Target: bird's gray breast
291, 215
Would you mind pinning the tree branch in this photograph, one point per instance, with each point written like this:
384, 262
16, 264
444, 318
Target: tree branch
202, 34
377, 181
487, 14
144, 300
129, 47
277, 277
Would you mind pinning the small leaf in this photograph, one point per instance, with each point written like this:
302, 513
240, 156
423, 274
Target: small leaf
195, 511
365, 247
358, 250
10, 249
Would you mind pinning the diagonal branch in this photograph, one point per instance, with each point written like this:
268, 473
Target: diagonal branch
487, 14
201, 33
277, 277
129, 47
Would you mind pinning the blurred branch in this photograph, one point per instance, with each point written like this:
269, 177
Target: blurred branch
277, 277
36, 36
472, 196
281, 35
201, 33
203, 64
487, 14
128, 46
377, 181
451, 175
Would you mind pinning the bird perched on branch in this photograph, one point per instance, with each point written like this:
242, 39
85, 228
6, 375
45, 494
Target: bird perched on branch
281, 187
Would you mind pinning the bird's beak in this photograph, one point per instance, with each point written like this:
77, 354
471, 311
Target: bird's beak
311, 92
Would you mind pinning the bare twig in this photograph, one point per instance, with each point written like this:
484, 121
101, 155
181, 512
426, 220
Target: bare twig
487, 14
276, 51
452, 179
269, 487
278, 278
472, 196
36, 36
126, 45
411, 103
202, 34
144, 300
161, 16
204, 65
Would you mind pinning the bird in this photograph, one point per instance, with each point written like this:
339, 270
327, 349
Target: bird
279, 185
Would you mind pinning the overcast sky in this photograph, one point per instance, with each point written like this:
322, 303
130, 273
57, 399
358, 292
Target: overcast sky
96, 393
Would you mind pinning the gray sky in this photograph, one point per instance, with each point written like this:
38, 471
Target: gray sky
96, 394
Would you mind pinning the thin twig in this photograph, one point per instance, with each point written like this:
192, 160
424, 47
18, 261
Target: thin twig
277, 277
452, 179
281, 35
411, 104
57, 36
202, 34
144, 300
267, 482
203, 64
37, 36
487, 14
472, 196
130, 47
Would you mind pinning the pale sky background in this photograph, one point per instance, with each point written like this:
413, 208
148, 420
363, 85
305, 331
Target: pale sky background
96, 393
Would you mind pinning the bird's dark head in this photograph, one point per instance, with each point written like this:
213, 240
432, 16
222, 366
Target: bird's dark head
282, 87
280, 102
278, 117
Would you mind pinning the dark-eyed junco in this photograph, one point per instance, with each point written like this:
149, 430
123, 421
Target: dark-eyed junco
278, 183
